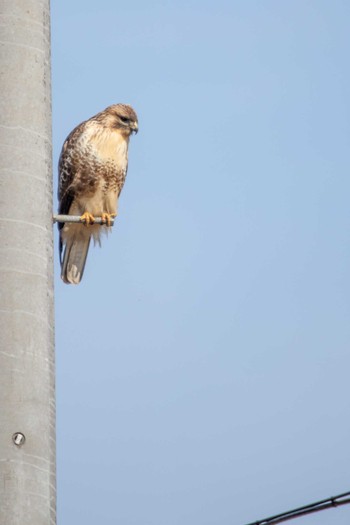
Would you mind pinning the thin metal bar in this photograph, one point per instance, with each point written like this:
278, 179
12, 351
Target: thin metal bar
77, 219
334, 501
304, 512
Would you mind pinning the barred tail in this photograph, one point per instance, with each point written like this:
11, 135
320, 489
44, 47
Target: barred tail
74, 258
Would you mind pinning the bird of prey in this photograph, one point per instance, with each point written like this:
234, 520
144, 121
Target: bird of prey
92, 170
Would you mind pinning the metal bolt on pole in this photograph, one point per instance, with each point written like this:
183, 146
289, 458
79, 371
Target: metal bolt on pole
27, 392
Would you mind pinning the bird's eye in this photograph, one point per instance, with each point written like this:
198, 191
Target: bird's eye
124, 119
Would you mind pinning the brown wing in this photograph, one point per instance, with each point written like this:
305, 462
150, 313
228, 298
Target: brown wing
67, 169
66, 174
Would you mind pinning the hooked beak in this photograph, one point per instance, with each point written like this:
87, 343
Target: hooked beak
135, 127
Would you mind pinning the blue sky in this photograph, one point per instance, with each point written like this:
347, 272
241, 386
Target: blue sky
202, 364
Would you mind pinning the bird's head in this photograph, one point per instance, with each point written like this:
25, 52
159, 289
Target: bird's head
121, 117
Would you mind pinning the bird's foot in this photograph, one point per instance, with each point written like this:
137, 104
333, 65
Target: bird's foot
87, 218
106, 218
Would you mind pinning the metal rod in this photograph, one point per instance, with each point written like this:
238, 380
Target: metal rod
27, 359
335, 501
78, 219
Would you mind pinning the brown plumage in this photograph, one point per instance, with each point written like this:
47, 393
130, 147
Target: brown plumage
92, 170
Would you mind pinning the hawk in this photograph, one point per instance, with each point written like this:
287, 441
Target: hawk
92, 170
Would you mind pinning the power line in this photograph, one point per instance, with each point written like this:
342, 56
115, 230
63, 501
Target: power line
335, 501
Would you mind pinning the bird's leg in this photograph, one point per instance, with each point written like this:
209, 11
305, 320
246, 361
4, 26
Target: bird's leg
87, 218
106, 218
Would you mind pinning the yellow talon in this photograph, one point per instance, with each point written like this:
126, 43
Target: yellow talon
106, 218
87, 218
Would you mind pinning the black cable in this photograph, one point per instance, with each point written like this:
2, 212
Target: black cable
306, 509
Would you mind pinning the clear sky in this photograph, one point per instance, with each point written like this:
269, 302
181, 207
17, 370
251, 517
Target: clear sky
203, 362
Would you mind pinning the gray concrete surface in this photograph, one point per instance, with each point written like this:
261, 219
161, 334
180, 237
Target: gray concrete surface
27, 393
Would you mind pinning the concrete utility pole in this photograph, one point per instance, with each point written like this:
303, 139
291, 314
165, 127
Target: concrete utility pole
27, 395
